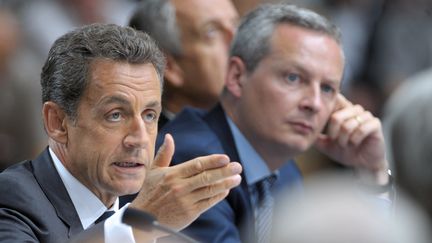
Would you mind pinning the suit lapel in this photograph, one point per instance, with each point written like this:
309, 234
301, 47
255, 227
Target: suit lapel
217, 122
53, 187
238, 197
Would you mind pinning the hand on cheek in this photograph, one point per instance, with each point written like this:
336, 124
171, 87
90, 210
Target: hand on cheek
354, 137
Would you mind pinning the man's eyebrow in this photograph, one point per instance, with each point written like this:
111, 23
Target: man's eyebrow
154, 104
299, 67
114, 100
120, 100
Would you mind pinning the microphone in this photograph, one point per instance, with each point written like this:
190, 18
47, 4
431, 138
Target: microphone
145, 221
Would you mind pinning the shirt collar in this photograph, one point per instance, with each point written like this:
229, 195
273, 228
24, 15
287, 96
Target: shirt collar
87, 204
254, 167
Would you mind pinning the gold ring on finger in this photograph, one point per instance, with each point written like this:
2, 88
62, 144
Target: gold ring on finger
358, 119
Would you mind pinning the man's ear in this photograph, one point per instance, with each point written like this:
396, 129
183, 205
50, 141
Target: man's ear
236, 76
174, 74
55, 122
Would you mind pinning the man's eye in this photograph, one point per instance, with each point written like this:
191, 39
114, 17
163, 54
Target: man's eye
327, 89
150, 117
292, 77
115, 116
211, 32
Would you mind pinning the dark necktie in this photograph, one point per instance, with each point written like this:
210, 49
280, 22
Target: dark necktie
104, 216
264, 209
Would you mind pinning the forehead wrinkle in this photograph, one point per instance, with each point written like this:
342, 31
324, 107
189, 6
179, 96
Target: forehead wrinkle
297, 59
116, 99
138, 81
136, 86
302, 69
153, 104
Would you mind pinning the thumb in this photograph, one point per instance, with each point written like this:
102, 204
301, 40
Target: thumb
165, 152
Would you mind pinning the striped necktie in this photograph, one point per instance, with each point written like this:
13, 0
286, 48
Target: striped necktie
264, 207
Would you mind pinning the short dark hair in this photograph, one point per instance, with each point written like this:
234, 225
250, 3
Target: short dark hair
66, 71
252, 41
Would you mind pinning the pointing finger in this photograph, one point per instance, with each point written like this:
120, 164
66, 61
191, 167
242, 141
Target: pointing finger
201, 164
213, 176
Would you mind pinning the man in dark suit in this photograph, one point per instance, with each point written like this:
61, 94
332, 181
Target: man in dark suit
101, 88
281, 89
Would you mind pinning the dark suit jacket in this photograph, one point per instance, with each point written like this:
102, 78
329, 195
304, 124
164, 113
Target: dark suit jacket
197, 133
35, 206
162, 121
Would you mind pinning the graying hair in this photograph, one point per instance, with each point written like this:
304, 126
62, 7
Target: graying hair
65, 74
252, 41
158, 19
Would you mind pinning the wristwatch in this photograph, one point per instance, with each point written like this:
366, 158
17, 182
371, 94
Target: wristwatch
378, 189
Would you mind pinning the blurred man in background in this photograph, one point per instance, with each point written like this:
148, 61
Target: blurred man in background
195, 36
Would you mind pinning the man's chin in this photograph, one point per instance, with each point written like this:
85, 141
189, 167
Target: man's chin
129, 187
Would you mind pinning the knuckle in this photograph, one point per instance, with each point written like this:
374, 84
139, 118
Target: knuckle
198, 165
334, 118
209, 202
345, 127
229, 183
168, 177
361, 130
210, 190
177, 190
205, 178
378, 122
359, 108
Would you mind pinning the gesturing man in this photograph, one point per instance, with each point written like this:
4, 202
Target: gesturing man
101, 88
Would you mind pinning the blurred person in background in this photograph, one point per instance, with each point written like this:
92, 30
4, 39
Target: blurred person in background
244, 6
195, 36
401, 46
281, 90
333, 209
45, 20
408, 126
20, 125
357, 20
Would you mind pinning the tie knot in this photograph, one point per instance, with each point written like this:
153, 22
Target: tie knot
104, 216
267, 182
264, 188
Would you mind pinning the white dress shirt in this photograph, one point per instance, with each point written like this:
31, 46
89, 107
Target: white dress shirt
90, 208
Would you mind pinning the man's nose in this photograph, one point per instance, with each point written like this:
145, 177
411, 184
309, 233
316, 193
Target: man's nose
312, 99
137, 136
